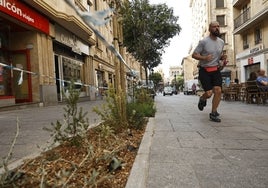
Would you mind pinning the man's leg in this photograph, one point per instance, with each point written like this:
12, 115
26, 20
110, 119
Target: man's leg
214, 115
203, 100
216, 98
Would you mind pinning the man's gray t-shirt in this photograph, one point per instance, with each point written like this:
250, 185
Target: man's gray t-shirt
208, 46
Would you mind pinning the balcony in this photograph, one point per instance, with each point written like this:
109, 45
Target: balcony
246, 20
240, 3
242, 18
237, 2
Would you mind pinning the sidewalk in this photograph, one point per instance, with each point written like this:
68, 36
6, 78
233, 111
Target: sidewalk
32, 120
183, 149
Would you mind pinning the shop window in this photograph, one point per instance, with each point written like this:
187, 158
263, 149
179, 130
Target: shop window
71, 72
219, 3
221, 20
258, 37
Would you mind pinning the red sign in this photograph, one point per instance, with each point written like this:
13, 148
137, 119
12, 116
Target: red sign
22, 12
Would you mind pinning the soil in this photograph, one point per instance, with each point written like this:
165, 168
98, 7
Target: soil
103, 160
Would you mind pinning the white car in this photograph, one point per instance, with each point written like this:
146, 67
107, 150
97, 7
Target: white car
168, 91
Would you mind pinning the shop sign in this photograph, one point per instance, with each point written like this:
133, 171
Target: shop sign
25, 14
67, 38
256, 49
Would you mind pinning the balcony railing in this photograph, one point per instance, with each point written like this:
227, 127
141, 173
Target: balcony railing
242, 18
235, 1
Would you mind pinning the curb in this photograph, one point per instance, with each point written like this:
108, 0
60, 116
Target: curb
139, 170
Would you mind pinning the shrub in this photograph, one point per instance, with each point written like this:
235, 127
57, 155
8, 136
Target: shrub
112, 112
74, 125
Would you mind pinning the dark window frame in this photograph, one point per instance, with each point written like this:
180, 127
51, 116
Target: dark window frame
245, 42
220, 3
220, 21
224, 37
257, 35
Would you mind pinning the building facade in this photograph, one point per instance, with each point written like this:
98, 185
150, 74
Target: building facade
45, 44
205, 11
250, 36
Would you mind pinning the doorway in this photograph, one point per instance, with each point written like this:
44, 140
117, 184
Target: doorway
21, 82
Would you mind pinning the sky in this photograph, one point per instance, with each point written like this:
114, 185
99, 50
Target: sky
180, 44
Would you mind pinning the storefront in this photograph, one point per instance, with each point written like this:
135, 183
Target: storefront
251, 61
70, 56
19, 27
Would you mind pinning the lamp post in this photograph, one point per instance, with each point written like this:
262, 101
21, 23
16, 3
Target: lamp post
175, 83
152, 71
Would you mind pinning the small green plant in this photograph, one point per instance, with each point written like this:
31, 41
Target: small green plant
142, 106
136, 111
105, 131
74, 125
112, 112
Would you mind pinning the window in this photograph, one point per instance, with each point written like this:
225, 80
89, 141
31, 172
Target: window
223, 37
245, 42
219, 3
257, 34
221, 20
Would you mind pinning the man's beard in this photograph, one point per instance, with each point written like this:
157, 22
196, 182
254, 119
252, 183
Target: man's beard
216, 33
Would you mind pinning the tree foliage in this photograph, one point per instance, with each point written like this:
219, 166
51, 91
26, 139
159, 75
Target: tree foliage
156, 78
147, 30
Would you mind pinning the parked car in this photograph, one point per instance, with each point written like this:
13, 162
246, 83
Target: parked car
174, 90
168, 91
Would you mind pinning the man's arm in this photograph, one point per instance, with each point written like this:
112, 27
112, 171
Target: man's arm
197, 56
264, 83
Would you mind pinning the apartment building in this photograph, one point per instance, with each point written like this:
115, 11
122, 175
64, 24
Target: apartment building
175, 71
45, 44
203, 12
250, 36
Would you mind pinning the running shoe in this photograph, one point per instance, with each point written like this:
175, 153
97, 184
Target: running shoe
213, 117
201, 104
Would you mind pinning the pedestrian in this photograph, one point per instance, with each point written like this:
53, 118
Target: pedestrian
252, 76
194, 88
209, 52
262, 79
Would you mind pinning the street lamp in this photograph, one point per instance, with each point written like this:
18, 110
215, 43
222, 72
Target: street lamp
175, 83
152, 71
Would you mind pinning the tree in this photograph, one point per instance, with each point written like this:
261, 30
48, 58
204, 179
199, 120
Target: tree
147, 30
179, 82
156, 78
